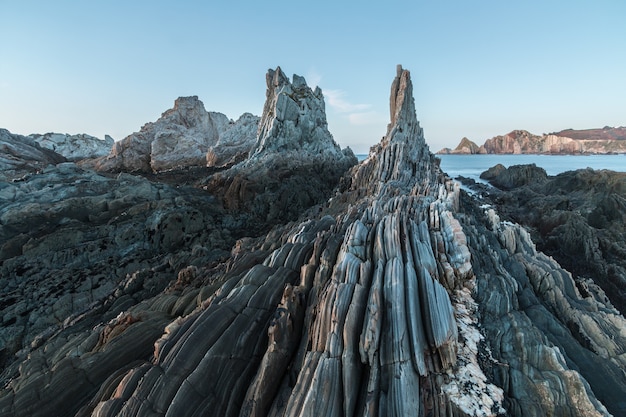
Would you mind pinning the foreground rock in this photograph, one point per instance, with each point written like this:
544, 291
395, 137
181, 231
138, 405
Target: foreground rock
72, 240
398, 296
182, 137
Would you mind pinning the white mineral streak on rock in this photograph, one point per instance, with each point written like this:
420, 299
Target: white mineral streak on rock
468, 387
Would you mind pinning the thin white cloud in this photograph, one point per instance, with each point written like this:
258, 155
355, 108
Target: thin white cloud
336, 100
364, 118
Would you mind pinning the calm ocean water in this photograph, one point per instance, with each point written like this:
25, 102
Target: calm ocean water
472, 166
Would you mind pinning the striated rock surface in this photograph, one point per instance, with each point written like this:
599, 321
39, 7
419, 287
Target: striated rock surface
75, 147
21, 155
590, 141
181, 137
72, 240
398, 296
578, 217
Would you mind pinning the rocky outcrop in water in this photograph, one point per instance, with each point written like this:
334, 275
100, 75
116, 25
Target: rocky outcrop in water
465, 147
182, 137
75, 147
567, 142
578, 217
398, 296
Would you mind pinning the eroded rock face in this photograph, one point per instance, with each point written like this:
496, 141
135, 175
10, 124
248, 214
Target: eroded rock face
72, 240
398, 296
295, 163
75, 147
21, 155
235, 143
578, 217
182, 137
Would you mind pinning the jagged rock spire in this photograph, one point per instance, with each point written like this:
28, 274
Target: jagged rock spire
403, 154
294, 119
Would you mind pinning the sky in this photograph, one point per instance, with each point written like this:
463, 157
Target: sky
479, 68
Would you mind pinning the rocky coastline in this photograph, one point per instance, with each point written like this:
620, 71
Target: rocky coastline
194, 271
608, 140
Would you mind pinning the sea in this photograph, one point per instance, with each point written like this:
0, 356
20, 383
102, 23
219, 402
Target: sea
471, 166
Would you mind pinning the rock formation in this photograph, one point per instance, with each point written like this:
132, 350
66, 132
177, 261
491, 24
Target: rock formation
234, 144
293, 151
397, 296
465, 147
578, 217
75, 147
591, 141
21, 155
181, 137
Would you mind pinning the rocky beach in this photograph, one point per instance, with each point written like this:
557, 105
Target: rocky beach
252, 267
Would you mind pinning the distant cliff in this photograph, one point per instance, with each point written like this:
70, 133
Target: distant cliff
566, 142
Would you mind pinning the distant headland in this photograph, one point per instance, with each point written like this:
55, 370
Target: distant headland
607, 140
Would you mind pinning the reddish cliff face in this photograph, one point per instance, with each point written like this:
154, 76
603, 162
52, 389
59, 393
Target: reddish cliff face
566, 142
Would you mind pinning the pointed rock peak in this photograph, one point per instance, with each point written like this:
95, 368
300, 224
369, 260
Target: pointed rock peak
401, 103
293, 119
402, 156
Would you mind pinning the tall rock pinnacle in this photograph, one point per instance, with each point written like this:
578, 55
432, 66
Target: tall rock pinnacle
403, 152
294, 119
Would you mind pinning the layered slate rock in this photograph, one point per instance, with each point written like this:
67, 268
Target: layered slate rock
75, 147
72, 240
21, 155
398, 296
578, 217
181, 137
363, 318
558, 350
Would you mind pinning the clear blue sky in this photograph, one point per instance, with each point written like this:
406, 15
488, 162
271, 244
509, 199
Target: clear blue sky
479, 68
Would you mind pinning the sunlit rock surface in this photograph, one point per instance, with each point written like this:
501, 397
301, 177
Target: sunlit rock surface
21, 156
75, 147
397, 296
182, 137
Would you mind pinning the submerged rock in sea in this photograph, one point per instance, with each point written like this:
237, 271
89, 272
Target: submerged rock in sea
397, 296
